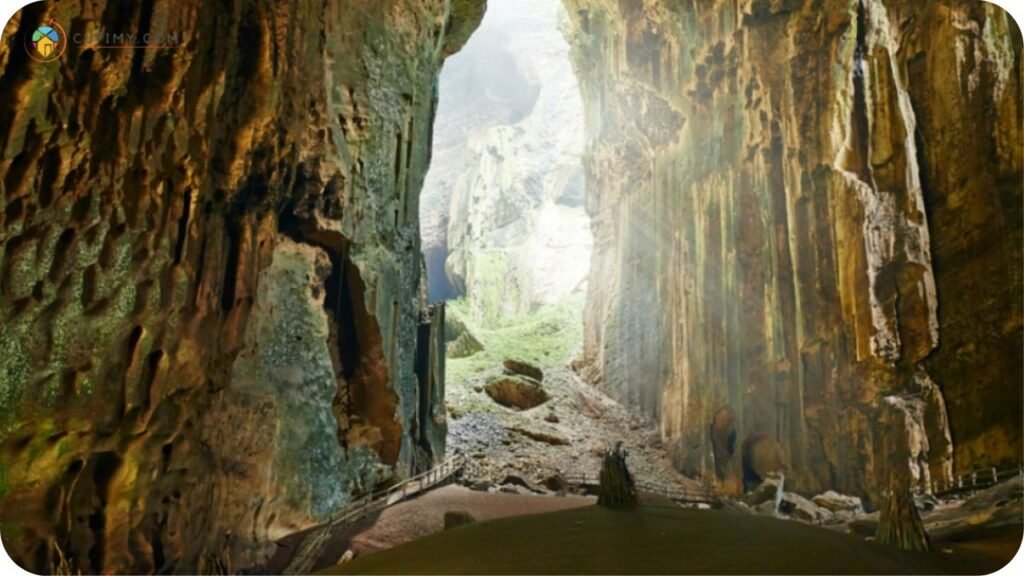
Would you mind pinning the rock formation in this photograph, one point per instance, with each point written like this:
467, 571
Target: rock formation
617, 488
899, 523
800, 208
516, 392
504, 222
211, 328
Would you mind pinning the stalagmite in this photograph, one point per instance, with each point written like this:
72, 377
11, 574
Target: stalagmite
899, 524
617, 489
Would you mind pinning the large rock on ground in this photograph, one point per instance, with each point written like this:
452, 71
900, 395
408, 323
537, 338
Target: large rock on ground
464, 346
768, 491
523, 368
461, 342
801, 508
517, 480
836, 502
516, 392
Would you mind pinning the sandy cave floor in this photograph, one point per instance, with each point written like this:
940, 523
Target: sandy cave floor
662, 540
423, 516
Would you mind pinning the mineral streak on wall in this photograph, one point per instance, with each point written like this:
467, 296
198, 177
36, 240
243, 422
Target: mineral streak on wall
210, 274
803, 210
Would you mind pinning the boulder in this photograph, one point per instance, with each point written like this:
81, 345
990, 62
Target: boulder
836, 502
516, 392
544, 437
456, 518
926, 502
767, 491
460, 341
801, 508
517, 480
521, 368
481, 486
464, 346
556, 483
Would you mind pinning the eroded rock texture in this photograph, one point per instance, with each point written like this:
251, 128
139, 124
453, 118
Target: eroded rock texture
212, 330
801, 208
503, 217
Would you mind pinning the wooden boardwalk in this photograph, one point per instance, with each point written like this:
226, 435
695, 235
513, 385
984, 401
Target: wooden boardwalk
675, 492
977, 479
312, 545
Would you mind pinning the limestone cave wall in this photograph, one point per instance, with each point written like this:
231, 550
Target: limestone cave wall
503, 221
210, 291
804, 210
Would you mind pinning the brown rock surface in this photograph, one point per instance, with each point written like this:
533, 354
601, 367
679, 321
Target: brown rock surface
210, 326
513, 366
798, 209
517, 392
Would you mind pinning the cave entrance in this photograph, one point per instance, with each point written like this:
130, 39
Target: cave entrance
502, 214
506, 237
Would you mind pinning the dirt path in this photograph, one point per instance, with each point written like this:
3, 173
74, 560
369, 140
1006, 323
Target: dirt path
424, 515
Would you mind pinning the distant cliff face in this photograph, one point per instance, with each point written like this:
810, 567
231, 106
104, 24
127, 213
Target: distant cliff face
209, 293
504, 222
801, 212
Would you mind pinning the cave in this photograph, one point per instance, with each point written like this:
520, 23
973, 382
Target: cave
380, 286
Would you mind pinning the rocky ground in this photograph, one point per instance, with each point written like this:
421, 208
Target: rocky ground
989, 521
565, 435
524, 421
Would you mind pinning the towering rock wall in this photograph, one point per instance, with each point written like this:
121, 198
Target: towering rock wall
504, 219
803, 210
210, 293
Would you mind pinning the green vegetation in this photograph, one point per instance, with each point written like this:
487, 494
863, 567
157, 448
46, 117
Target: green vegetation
547, 336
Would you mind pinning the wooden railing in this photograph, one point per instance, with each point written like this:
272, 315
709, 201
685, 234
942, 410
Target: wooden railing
395, 494
674, 492
977, 479
310, 549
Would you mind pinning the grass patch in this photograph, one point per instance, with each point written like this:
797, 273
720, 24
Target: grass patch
548, 336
